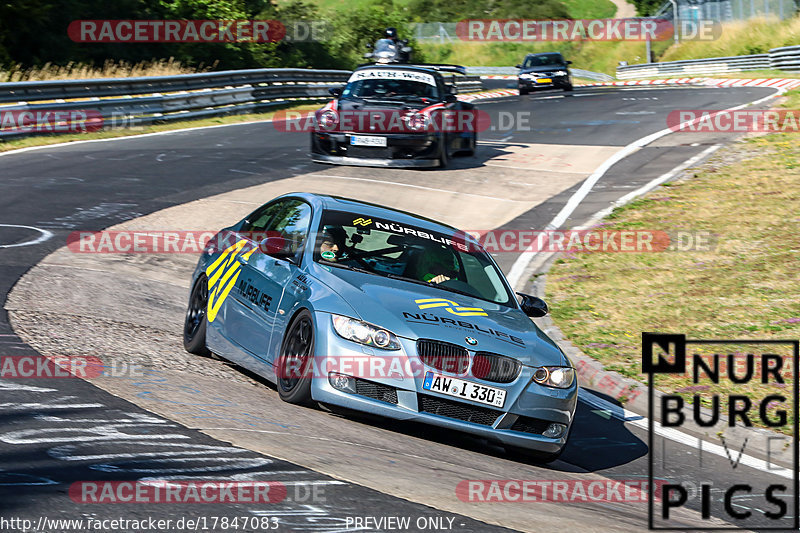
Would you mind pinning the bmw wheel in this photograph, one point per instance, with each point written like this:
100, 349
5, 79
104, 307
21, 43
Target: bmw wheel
194, 327
295, 360
523, 91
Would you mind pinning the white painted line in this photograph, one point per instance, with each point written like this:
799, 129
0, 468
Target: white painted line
520, 265
672, 434
75, 143
653, 184
416, 187
41, 238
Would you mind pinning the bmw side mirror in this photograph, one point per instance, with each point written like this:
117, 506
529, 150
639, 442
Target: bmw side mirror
569, 62
277, 247
450, 99
519, 66
533, 306
335, 91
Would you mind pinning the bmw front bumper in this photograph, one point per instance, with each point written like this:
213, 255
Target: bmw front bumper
528, 409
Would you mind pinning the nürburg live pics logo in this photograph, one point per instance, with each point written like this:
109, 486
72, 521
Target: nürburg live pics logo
734, 404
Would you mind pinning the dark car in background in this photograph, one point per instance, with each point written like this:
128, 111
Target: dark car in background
544, 71
397, 115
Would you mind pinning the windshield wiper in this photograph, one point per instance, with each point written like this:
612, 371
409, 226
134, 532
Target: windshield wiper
346, 267
401, 278
434, 285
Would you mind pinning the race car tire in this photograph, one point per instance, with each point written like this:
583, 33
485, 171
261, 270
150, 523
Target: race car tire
444, 155
523, 92
568, 88
194, 326
473, 144
295, 360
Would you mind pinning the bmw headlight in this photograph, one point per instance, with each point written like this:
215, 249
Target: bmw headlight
560, 377
363, 333
560, 73
526, 76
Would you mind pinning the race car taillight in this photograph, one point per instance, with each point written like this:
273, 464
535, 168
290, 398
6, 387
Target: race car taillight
329, 119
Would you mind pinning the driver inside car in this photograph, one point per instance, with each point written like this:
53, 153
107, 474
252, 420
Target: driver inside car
331, 243
438, 265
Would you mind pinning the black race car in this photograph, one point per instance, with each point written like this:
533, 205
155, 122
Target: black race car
544, 71
395, 115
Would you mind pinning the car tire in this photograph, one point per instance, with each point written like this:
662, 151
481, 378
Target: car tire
473, 145
523, 92
568, 88
444, 154
194, 326
295, 360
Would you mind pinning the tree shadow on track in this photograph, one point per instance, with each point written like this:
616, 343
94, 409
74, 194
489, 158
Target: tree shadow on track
598, 440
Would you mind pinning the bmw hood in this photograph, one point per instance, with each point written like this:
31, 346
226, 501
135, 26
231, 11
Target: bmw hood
417, 311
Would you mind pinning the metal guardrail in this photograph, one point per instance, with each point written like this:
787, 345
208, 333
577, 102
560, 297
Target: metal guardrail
589, 75
139, 101
786, 58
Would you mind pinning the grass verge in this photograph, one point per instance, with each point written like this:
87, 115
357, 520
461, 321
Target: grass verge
110, 69
743, 287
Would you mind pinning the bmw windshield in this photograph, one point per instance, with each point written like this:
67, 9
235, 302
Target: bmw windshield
399, 251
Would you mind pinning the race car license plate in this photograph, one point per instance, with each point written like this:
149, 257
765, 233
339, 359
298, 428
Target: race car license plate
544, 80
367, 140
466, 390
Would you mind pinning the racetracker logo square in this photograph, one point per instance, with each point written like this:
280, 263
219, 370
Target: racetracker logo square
717, 398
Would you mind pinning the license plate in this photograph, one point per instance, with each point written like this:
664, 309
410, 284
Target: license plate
466, 390
366, 140
544, 80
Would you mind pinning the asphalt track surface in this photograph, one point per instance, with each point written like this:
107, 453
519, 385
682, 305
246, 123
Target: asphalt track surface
50, 436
